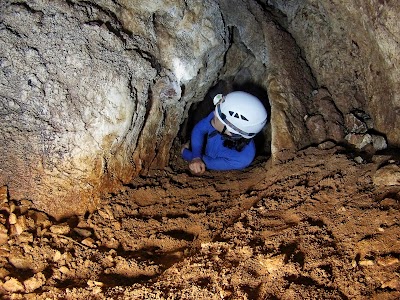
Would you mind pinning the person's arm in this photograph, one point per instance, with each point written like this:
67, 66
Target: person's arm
199, 133
225, 164
231, 159
194, 156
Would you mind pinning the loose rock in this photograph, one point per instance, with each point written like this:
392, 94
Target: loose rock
13, 285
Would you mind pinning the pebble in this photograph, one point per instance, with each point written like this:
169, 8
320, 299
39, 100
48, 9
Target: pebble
13, 285
89, 242
12, 219
20, 262
16, 229
25, 237
3, 273
83, 232
40, 218
64, 270
358, 159
34, 282
388, 261
57, 256
366, 263
393, 284
93, 283
387, 175
60, 229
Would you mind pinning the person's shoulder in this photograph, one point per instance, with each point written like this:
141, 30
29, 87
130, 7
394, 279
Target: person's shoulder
210, 116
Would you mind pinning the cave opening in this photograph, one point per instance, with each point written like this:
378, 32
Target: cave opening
201, 109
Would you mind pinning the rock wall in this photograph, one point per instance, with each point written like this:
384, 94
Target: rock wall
352, 48
94, 93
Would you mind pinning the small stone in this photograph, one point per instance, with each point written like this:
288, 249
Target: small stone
387, 261
379, 142
358, 159
64, 270
57, 256
89, 242
12, 207
25, 237
93, 283
40, 218
358, 140
366, 263
20, 262
3, 273
13, 286
387, 175
12, 219
326, 145
354, 263
60, 229
83, 232
354, 124
34, 282
393, 284
16, 229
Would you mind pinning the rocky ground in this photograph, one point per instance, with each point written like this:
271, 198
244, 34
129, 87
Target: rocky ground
320, 224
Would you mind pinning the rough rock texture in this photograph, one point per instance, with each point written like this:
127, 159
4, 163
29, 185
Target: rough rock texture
91, 94
95, 93
352, 48
316, 226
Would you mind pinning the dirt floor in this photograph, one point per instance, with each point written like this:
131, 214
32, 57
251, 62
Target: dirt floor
316, 225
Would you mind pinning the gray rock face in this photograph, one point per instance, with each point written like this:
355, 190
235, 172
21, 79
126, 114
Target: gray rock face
90, 93
93, 93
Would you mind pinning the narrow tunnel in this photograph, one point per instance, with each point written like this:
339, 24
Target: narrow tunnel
97, 99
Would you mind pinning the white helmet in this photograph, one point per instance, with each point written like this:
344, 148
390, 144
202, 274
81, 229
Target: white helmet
242, 113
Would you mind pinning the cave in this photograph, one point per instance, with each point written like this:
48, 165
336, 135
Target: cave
97, 99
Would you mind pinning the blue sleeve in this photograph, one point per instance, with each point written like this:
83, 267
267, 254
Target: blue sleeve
187, 155
234, 161
199, 133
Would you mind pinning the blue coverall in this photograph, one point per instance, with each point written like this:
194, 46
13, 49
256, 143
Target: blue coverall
216, 156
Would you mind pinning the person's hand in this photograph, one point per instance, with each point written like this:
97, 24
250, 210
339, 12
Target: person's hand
197, 166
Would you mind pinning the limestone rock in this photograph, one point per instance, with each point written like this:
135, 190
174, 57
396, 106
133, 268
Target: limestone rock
360, 141
354, 124
60, 229
387, 175
352, 49
83, 232
13, 285
74, 117
34, 282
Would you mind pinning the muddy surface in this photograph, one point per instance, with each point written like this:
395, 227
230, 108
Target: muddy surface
317, 225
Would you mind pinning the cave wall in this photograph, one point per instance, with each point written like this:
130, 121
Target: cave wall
93, 93
352, 48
